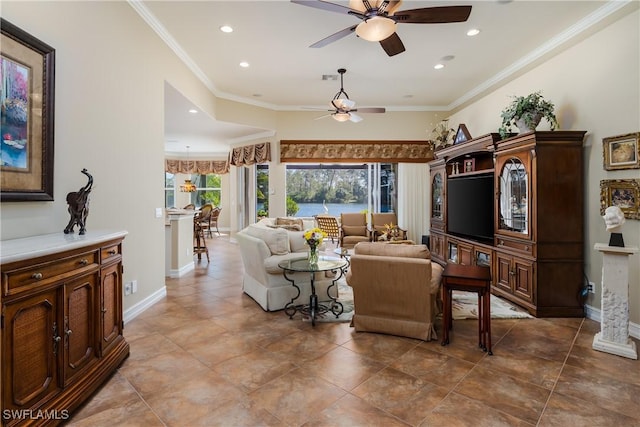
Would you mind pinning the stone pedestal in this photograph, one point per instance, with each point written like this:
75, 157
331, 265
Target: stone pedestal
614, 324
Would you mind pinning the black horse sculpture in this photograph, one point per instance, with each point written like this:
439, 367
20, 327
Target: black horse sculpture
78, 202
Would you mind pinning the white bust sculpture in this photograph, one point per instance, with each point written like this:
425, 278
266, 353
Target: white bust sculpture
613, 218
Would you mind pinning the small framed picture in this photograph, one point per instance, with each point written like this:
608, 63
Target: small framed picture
462, 134
621, 152
469, 165
623, 193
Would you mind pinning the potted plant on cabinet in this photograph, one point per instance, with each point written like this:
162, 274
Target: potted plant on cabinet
525, 112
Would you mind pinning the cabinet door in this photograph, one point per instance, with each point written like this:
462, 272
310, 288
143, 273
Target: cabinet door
504, 272
31, 343
465, 254
437, 246
437, 196
110, 309
513, 181
523, 279
80, 313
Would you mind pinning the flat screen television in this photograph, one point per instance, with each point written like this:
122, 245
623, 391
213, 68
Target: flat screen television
470, 206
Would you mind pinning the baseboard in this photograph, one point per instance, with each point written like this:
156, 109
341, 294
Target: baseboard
141, 306
174, 274
594, 313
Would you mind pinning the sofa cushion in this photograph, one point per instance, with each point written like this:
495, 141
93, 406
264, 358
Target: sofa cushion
271, 263
354, 230
277, 239
383, 249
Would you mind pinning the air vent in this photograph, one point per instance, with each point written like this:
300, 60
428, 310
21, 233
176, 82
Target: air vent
329, 77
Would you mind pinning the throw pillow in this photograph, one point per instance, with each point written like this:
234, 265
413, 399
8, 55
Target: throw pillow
296, 241
290, 223
276, 239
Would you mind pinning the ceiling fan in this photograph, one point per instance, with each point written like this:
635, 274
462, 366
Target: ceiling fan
379, 19
342, 108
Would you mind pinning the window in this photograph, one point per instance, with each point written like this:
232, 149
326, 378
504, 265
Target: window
169, 190
335, 188
208, 189
262, 190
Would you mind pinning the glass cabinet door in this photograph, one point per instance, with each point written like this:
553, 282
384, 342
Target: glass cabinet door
514, 197
436, 196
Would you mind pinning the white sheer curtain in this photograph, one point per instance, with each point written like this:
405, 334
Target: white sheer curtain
413, 199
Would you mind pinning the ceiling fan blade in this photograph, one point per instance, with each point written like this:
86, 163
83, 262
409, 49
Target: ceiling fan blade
322, 117
392, 45
433, 15
355, 118
335, 37
393, 6
324, 5
370, 110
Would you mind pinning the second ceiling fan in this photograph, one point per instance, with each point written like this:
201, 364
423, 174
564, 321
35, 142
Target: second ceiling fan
343, 106
379, 19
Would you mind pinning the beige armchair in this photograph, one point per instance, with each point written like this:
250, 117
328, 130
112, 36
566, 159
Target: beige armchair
378, 226
353, 229
395, 289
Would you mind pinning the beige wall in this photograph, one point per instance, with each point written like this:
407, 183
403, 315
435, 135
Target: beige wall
110, 73
595, 86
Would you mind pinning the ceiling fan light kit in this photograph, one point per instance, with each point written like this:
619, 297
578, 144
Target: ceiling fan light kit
379, 19
343, 107
376, 29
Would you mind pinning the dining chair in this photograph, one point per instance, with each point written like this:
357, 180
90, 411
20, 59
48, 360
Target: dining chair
213, 220
204, 216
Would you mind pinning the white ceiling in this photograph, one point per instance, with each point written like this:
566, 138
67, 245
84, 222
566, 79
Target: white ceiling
285, 74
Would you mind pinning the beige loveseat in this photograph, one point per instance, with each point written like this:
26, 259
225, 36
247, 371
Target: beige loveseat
395, 289
263, 245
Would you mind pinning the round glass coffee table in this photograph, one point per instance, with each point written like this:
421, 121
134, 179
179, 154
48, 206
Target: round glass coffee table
314, 308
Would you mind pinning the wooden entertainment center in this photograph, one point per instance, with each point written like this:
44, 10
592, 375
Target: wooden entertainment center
536, 252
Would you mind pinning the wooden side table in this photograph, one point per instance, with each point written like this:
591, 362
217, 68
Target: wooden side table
468, 278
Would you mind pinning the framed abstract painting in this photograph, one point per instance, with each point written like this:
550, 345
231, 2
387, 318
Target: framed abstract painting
27, 79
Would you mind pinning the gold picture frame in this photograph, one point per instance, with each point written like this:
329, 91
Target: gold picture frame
621, 151
623, 193
27, 100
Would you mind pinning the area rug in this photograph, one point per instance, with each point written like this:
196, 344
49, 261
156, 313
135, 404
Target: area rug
465, 306
345, 296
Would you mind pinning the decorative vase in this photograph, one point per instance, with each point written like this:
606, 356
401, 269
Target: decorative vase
313, 254
522, 123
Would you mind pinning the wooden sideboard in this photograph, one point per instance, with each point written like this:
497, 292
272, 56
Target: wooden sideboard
535, 247
61, 302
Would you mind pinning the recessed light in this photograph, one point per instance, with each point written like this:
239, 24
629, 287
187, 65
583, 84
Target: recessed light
226, 29
193, 111
473, 32
244, 64
257, 95
408, 96
438, 66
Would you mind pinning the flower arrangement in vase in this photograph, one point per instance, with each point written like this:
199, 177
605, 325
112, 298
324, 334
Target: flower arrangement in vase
313, 238
525, 112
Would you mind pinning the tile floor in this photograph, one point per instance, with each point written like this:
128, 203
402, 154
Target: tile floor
208, 355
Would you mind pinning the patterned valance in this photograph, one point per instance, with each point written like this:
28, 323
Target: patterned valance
201, 167
355, 151
250, 154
